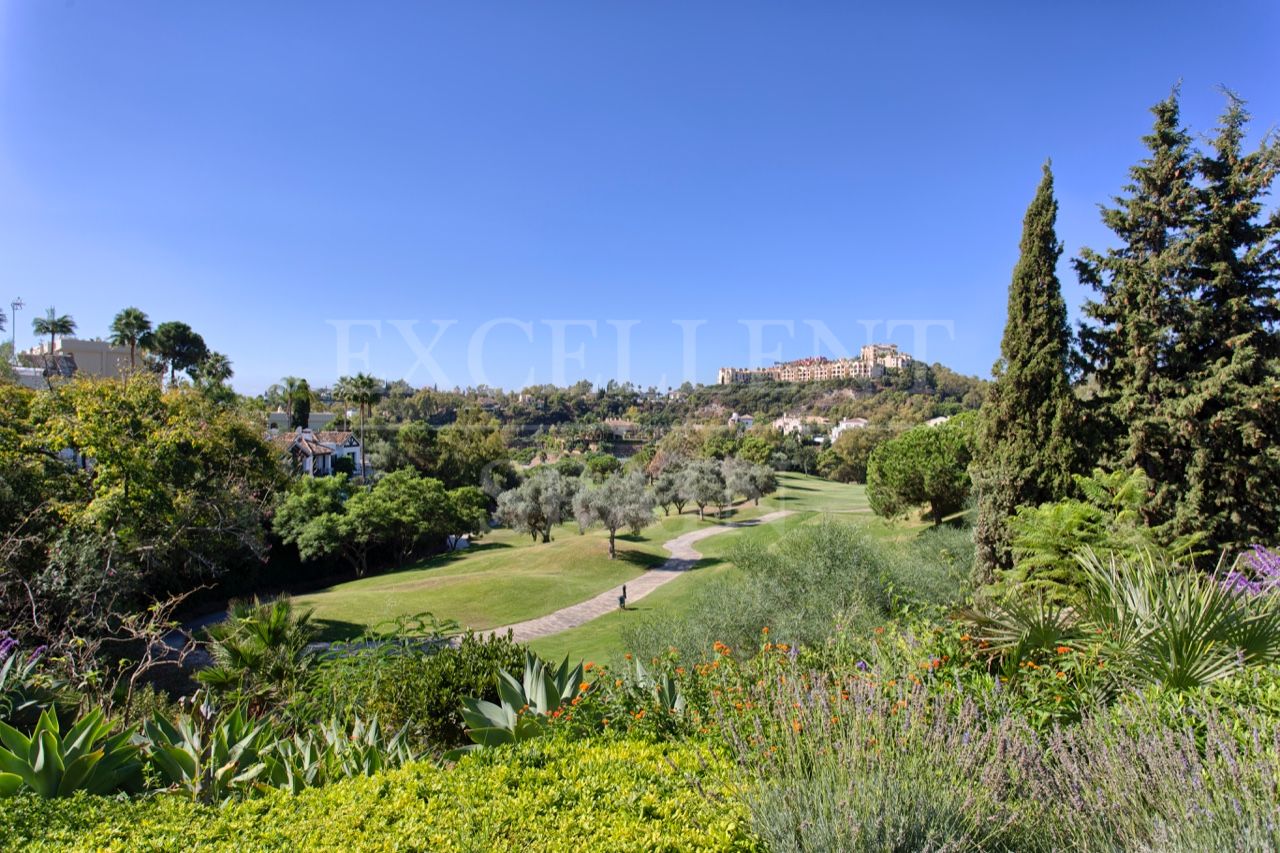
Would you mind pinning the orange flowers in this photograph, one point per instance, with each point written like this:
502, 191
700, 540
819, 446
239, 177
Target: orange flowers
964, 638
795, 725
583, 686
1063, 650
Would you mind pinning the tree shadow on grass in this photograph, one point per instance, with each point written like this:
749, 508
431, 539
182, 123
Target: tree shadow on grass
641, 558
337, 630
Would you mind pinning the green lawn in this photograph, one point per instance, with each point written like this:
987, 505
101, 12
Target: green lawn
506, 578
810, 498
503, 578
812, 494
600, 640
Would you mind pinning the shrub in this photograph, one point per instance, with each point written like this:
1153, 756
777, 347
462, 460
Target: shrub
817, 576
259, 653
213, 759
844, 764
605, 795
418, 688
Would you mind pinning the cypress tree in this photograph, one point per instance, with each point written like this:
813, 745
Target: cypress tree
1231, 411
1133, 342
1026, 448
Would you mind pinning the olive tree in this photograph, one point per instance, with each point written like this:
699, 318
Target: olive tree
621, 501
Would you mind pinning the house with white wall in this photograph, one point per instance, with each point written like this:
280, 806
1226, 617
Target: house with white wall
314, 453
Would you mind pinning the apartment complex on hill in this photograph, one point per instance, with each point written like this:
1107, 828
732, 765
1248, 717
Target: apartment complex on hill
873, 361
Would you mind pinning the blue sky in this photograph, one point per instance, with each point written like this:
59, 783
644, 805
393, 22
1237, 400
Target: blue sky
270, 172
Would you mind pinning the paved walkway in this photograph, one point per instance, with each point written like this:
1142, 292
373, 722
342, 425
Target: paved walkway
682, 558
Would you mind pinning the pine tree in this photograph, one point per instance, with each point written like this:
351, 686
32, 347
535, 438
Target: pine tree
1133, 343
1026, 450
1231, 411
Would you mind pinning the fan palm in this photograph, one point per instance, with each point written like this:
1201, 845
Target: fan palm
216, 368
1173, 626
53, 324
259, 651
131, 328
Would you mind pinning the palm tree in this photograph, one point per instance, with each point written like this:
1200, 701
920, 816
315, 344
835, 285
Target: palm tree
363, 390
216, 368
131, 328
53, 324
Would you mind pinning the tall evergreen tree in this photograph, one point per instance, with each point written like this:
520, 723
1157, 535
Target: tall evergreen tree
1133, 340
1231, 411
1026, 447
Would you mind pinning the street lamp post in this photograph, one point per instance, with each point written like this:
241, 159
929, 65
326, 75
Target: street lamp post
17, 305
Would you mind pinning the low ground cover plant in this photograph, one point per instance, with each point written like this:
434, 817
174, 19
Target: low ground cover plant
607, 794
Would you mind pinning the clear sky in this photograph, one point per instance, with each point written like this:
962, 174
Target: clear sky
278, 174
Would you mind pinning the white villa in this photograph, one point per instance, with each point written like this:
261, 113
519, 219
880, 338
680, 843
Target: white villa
315, 452
741, 421
847, 424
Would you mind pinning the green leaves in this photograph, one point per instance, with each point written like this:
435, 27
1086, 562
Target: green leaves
525, 706
923, 466
1173, 626
53, 765
216, 759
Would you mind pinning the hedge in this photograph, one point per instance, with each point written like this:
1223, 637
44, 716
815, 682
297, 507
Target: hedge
602, 794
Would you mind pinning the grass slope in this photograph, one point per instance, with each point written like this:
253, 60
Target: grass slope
506, 578
809, 497
503, 578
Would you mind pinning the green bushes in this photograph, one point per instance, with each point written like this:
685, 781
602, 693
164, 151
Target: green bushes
815, 578
419, 688
216, 759
259, 653
604, 795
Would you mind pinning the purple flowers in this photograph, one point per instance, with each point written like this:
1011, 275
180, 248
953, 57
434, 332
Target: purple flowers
1263, 574
7, 645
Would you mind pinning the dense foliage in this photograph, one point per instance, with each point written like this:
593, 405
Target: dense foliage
117, 492
1181, 341
606, 795
925, 466
1027, 442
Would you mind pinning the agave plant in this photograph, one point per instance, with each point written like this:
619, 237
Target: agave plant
525, 704
364, 750
209, 759
215, 759
665, 689
305, 761
87, 758
1173, 626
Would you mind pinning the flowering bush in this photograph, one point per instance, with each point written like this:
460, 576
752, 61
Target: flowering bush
21, 687
1261, 573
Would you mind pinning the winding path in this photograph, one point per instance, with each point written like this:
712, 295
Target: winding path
682, 558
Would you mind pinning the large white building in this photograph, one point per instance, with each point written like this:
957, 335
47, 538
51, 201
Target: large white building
871, 363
